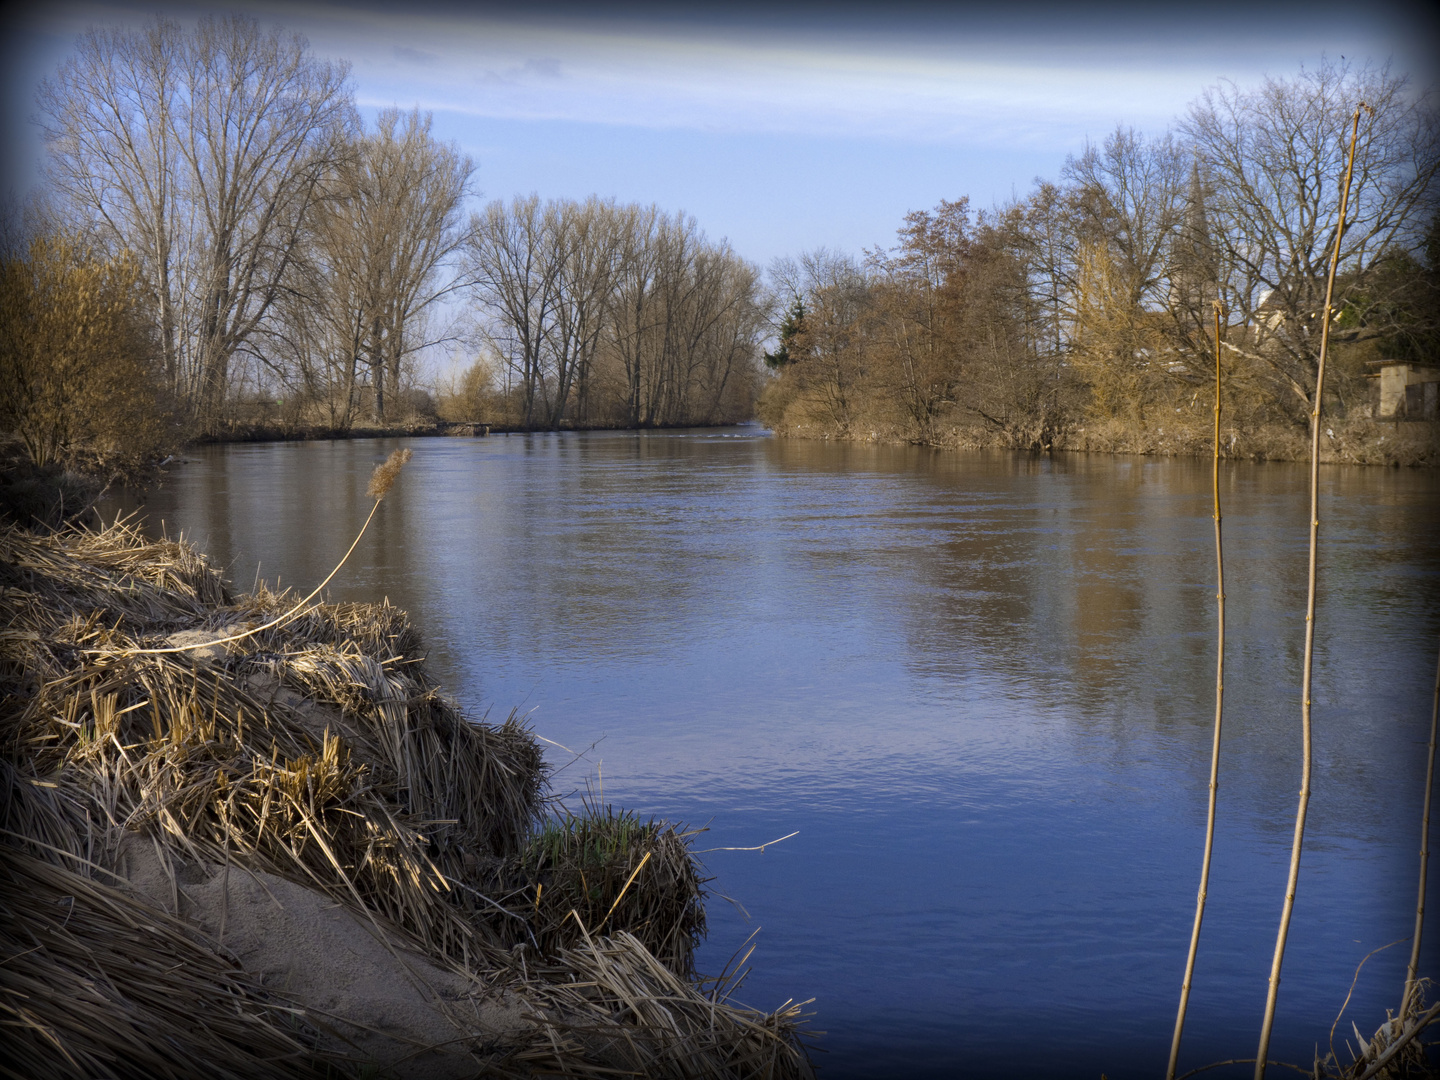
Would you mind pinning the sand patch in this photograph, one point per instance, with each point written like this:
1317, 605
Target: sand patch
371, 998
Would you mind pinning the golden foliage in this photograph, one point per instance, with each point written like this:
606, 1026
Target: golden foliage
76, 378
1119, 347
469, 396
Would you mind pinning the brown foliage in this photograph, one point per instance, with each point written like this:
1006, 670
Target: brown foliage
470, 396
1080, 316
936, 339
77, 373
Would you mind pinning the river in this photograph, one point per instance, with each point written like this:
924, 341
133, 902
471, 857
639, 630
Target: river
979, 686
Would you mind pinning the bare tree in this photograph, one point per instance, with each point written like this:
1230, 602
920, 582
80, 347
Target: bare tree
832, 354
406, 195
920, 290
715, 326
636, 312
316, 340
511, 265
1128, 201
677, 242
371, 266
587, 245
618, 313
1018, 379
1039, 233
1275, 156
202, 153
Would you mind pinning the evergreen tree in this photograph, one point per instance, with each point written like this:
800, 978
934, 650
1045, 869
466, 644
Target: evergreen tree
793, 325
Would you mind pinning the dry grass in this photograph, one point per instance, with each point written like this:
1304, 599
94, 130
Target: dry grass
677, 1032
319, 751
96, 983
1396, 1050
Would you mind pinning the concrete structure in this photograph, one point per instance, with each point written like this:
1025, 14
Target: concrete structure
1409, 391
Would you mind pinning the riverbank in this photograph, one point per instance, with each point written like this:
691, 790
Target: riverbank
1348, 442
1355, 441
284, 852
423, 428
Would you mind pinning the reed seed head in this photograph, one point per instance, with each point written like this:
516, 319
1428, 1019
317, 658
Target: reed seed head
383, 478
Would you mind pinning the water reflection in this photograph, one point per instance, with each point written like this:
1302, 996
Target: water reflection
980, 685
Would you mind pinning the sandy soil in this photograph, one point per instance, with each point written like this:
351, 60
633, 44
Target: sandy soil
395, 1008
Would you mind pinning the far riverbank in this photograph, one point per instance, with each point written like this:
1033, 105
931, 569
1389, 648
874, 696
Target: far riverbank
1359, 441
241, 432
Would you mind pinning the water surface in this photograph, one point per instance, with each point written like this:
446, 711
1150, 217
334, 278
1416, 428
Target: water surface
980, 686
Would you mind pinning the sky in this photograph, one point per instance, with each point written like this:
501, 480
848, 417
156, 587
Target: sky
779, 127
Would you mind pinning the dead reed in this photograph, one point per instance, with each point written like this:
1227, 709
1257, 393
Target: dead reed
381, 481
677, 1033
1297, 844
316, 749
1215, 742
1394, 1051
1412, 971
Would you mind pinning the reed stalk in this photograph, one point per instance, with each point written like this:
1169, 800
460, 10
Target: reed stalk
1412, 972
1215, 743
381, 480
1305, 727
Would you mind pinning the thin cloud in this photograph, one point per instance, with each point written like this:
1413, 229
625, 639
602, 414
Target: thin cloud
414, 56
983, 80
515, 75
1040, 73
547, 67
983, 86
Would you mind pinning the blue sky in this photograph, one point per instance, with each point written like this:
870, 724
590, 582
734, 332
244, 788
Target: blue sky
783, 127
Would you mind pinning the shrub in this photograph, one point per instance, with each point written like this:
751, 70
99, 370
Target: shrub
77, 378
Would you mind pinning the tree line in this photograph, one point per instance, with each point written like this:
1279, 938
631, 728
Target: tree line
278, 257
1090, 301
611, 314
264, 253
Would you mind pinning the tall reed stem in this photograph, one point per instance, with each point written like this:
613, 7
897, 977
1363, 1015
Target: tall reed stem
381, 481
1215, 744
1293, 879
1413, 970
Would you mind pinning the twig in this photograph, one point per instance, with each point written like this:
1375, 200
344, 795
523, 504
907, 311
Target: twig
1215, 743
1345, 1004
758, 847
1241, 1061
1394, 1048
1413, 970
1288, 909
